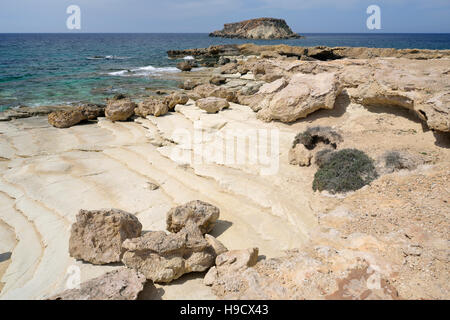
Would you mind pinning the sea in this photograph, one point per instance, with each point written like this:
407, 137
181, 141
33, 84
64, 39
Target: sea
71, 68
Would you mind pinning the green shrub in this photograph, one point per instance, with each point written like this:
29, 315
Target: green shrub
345, 170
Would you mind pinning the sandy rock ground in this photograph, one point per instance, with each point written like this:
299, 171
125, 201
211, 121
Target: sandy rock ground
49, 174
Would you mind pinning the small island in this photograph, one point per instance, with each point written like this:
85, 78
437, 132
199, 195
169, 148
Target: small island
261, 28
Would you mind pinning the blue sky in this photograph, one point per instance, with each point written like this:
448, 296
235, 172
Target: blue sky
304, 16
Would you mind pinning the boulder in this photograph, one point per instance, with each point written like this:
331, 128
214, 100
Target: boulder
304, 94
184, 66
217, 80
119, 110
212, 104
151, 106
202, 214
209, 90
92, 111
189, 84
121, 284
66, 118
97, 235
231, 262
176, 98
229, 68
165, 257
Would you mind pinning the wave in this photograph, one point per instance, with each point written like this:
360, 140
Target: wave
106, 58
144, 71
189, 58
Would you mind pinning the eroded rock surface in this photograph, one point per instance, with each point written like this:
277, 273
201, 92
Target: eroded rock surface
119, 109
66, 119
97, 235
165, 257
212, 104
202, 214
121, 284
151, 106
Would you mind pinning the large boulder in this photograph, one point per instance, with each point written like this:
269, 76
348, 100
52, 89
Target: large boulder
119, 109
212, 104
66, 118
202, 214
165, 257
121, 284
176, 98
304, 94
184, 66
92, 111
97, 235
209, 90
151, 106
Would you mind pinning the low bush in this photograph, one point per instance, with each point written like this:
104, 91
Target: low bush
344, 170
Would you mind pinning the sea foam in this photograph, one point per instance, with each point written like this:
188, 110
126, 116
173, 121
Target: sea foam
144, 71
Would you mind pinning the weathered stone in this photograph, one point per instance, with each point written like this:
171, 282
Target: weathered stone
184, 66
165, 257
209, 90
97, 235
121, 284
92, 111
202, 214
231, 262
151, 106
217, 80
212, 104
66, 119
119, 110
176, 98
189, 84
304, 94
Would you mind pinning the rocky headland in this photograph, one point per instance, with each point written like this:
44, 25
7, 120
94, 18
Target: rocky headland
202, 228
261, 28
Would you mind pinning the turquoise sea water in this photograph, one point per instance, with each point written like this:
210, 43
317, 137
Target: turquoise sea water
45, 69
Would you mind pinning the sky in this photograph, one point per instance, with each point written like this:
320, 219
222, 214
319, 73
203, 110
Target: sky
303, 16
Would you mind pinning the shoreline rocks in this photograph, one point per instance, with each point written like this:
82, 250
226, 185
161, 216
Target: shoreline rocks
97, 235
119, 109
121, 284
202, 214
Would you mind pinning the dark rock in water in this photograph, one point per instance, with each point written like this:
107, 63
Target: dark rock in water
184, 66
261, 28
119, 96
207, 57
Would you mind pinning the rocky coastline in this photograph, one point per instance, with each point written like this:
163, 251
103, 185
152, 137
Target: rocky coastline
102, 188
